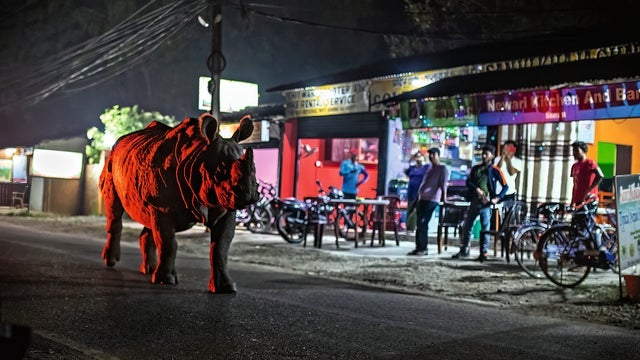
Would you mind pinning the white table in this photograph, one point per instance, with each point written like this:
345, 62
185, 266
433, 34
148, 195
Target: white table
365, 203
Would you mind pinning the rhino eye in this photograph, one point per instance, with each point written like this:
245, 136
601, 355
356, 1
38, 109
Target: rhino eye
222, 173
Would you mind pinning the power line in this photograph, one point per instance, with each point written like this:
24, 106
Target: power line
106, 56
424, 35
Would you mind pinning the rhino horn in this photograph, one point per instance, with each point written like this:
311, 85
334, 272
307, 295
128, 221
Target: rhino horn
209, 126
247, 156
243, 180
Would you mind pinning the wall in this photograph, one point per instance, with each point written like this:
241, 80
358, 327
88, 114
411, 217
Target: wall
58, 196
266, 161
622, 132
288, 156
92, 198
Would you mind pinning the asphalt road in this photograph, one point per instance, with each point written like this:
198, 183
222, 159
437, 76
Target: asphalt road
57, 285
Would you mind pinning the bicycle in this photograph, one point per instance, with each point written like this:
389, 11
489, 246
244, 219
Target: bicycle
567, 253
345, 220
528, 233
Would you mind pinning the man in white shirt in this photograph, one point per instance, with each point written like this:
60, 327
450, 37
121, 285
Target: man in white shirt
511, 167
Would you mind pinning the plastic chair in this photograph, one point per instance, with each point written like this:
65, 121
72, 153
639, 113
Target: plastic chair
17, 198
450, 217
391, 216
509, 219
316, 220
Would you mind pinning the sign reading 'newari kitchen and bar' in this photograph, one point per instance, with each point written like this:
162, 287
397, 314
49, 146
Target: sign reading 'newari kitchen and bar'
610, 101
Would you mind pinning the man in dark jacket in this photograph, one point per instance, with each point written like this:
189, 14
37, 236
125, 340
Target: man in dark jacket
482, 185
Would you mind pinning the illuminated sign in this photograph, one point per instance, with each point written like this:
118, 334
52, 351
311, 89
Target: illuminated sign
260, 132
628, 214
382, 89
57, 164
459, 111
609, 101
234, 95
328, 100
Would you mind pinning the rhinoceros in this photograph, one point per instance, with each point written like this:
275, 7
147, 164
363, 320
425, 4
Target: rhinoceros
168, 179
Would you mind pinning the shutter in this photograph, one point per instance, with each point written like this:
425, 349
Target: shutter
361, 125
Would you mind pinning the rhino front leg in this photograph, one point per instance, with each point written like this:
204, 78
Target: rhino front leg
114, 211
164, 236
222, 233
149, 251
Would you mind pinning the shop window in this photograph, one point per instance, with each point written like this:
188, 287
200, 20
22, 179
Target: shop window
367, 149
459, 147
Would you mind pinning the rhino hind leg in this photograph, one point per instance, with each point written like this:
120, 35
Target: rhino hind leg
222, 233
114, 212
149, 252
167, 247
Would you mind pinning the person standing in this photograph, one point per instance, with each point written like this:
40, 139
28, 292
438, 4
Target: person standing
415, 174
432, 190
482, 184
350, 170
511, 167
586, 175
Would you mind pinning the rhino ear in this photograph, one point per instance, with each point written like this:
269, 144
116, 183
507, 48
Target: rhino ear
208, 126
244, 130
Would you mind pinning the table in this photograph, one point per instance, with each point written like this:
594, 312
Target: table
365, 203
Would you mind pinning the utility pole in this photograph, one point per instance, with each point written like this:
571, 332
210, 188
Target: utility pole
216, 61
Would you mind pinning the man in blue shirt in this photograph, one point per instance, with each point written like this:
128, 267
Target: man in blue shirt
350, 171
415, 174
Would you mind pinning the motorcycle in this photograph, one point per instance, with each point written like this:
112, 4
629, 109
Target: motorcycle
262, 215
295, 214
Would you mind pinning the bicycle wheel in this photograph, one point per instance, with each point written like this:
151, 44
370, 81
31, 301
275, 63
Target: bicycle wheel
558, 249
346, 225
524, 244
290, 227
610, 241
260, 220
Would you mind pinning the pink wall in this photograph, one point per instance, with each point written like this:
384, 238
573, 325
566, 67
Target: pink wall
266, 165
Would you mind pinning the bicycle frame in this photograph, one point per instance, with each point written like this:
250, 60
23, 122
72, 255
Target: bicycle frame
567, 253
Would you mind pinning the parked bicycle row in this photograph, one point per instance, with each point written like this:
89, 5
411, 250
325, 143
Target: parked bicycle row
565, 243
291, 217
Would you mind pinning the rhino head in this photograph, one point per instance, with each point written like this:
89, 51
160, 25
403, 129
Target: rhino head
228, 176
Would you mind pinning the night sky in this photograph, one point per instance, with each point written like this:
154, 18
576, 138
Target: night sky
44, 44
259, 48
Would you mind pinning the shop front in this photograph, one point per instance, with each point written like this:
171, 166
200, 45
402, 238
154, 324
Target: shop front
14, 165
324, 125
458, 107
544, 123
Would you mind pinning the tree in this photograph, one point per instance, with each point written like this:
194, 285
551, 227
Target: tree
117, 122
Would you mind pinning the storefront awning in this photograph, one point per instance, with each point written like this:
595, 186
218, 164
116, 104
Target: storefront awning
609, 69
553, 43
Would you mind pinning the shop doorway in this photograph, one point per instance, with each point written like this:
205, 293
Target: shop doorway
613, 159
319, 159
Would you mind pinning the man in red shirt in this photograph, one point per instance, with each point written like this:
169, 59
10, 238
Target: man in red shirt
586, 174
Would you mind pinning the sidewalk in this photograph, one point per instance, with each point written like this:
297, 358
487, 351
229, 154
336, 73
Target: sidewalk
390, 250
495, 265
